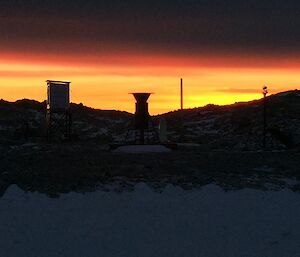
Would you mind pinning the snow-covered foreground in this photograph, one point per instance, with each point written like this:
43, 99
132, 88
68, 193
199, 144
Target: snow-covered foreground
206, 222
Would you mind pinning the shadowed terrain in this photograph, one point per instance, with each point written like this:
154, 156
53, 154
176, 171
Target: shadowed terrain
228, 150
236, 126
54, 170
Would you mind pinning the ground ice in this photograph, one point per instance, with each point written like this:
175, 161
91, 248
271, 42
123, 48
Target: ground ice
206, 222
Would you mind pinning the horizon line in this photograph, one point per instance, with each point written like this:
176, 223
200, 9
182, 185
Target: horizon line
174, 110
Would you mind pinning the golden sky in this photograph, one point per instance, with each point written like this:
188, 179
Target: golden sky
224, 50
104, 81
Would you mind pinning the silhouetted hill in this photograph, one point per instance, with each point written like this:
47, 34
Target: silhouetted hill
25, 119
236, 126
240, 125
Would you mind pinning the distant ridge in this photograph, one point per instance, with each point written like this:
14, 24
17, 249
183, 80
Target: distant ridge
234, 126
34, 103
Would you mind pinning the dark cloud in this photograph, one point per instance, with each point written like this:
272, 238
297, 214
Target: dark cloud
178, 26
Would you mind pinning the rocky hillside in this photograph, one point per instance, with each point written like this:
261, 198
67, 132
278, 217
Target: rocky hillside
24, 120
236, 126
240, 125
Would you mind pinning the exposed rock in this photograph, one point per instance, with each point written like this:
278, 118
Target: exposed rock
236, 126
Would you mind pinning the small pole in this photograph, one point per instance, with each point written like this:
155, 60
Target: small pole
181, 94
265, 92
142, 136
181, 136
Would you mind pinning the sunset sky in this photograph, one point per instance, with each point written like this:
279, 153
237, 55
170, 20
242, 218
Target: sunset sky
225, 50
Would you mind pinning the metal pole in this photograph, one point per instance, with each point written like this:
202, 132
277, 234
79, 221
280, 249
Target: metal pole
48, 124
265, 91
181, 94
142, 137
181, 136
264, 121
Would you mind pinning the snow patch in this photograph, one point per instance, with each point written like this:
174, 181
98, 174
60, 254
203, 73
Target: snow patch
264, 169
174, 223
142, 149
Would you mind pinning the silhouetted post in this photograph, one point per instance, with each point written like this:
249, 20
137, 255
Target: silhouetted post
181, 94
181, 136
265, 92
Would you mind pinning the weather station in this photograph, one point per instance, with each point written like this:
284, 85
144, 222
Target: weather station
142, 135
58, 114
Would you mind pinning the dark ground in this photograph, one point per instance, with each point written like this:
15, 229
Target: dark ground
57, 169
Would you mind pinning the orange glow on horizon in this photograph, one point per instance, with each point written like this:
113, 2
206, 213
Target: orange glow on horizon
104, 82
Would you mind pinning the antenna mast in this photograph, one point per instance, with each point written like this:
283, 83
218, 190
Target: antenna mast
181, 94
